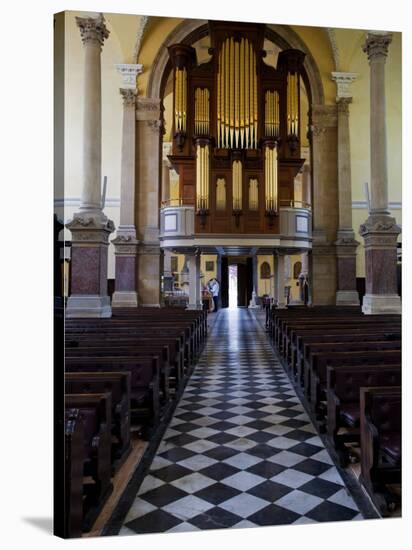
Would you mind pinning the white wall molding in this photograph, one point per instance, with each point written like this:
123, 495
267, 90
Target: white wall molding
363, 205
112, 202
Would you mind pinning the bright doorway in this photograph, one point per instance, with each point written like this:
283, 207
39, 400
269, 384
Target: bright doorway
232, 286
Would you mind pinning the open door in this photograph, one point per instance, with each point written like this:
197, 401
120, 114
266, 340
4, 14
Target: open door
241, 285
224, 283
249, 280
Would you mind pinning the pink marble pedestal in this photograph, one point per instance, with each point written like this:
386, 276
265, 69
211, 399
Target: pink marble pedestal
90, 240
125, 294
380, 233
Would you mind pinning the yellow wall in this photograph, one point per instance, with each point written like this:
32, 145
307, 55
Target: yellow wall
120, 48
353, 59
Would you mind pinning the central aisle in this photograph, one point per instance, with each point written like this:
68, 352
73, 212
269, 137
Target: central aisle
240, 450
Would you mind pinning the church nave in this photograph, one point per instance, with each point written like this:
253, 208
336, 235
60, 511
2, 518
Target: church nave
240, 450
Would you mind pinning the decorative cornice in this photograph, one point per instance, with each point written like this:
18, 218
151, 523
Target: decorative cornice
323, 116
125, 245
343, 82
334, 45
129, 73
139, 35
376, 45
379, 224
343, 105
129, 96
156, 126
93, 29
148, 108
90, 228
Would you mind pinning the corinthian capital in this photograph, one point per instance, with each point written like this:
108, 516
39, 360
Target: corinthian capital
376, 45
93, 29
129, 96
343, 82
129, 73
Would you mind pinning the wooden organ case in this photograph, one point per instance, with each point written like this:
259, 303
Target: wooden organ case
236, 128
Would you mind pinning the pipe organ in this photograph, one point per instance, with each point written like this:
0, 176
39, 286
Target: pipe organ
236, 129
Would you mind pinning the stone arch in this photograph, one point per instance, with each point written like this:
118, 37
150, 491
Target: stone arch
193, 29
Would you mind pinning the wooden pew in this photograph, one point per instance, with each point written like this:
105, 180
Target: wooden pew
95, 412
343, 400
320, 361
118, 384
315, 352
365, 334
326, 325
73, 473
100, 349
381, 442
144, 383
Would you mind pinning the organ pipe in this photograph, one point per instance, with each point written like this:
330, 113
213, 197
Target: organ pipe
253, 194
180, 99
237, 184
292, 104
202, 177
271, 178
272, 119
202, 119
237, 100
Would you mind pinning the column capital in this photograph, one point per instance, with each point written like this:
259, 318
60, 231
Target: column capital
343, 105
129, 96
376, 45
93, 30
343, 82
129, 73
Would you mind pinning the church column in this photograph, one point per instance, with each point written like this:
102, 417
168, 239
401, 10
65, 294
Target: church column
90, 228
323, 135
346, 244
149, 131
125, 243
165, 181
380, 230
306, 186
252, 303
281, 299
195, 296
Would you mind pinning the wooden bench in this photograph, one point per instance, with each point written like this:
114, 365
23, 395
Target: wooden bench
74, 454
319, 362
300, 338
144, 383
381, 444
118, 385
314, 352
343, 400
95, 414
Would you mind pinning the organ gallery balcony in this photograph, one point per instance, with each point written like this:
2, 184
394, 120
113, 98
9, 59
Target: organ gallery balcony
178, 229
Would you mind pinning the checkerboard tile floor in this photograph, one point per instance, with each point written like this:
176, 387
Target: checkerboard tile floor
240, 451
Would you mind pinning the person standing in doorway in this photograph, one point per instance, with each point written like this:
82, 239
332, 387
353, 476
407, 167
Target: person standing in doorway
214, 289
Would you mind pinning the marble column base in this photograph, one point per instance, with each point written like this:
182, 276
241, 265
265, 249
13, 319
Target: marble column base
347, 298
375, 304
90, 240
88, 306
125, 294
125, 298
281, 306
380, 232
252, 303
